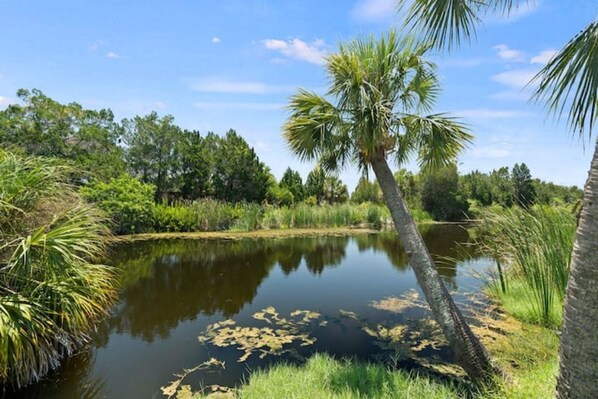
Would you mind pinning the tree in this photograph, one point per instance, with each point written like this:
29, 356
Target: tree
44, 127
197, 164
314, 184
524, 191
568, 84
440, 194
52, 290
376, 85
476, 185
153, 151
409, 185
238, 173
335, 191
291, 180
366, 191
501, 187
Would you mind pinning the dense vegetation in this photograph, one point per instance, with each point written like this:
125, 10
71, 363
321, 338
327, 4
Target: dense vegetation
150, 175
52, 291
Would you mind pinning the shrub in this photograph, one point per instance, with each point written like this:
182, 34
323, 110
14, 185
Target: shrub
51, 290
126, 200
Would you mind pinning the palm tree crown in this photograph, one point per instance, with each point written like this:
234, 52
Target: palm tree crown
376, 89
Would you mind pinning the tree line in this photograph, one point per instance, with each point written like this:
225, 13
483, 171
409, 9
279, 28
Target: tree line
182, 164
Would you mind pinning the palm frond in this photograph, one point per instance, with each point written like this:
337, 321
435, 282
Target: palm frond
437, 139
447, 23
310, 129
569, 82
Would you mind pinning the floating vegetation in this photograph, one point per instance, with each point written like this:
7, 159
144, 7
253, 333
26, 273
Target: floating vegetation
346, 314
173, 388
273, 339
399, 304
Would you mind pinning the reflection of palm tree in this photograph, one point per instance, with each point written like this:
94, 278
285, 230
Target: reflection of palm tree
377, 86
568, 83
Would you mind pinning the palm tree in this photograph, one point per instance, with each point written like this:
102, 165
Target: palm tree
51, 290
378, 87
567, 84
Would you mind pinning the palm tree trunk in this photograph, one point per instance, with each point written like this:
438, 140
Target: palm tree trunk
578, 354
469, 351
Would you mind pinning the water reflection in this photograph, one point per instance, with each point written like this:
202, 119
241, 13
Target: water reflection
172, 289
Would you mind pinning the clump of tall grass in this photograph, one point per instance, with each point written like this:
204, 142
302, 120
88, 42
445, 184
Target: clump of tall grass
52, 291
533, 251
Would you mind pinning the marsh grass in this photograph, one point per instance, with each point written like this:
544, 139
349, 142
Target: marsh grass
535, 247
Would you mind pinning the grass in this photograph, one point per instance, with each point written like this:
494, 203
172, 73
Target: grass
212, 215
527, 354
535, 246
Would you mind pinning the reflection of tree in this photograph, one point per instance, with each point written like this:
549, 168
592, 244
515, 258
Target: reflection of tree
164, 282
447, 244
75, 380
187, 278
324, 251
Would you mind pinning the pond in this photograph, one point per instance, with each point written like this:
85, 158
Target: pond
173, 291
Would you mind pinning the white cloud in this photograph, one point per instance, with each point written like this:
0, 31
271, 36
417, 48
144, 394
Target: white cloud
238, 105
505, 53
160, 105
483, 113
112, 55
516, 79
215, 40
220, 85
543, 57
298, 49
374, 10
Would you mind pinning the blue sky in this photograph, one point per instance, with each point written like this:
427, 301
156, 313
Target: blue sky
216, 65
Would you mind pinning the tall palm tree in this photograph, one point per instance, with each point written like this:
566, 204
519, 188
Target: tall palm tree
371, 113
567, 84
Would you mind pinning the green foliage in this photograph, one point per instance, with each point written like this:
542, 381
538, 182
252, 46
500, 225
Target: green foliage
51, 290
440, 194
314, 184
153, 151
126, 200
292, 181
44, 127
524, 190
238, 173
197, 164
278, 195
366, 191
535, 244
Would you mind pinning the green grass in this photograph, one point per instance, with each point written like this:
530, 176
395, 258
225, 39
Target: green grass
533, 247
324, 377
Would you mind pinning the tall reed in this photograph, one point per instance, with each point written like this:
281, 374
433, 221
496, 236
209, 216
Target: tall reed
534, 245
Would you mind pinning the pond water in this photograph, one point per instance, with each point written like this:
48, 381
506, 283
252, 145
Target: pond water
173, 290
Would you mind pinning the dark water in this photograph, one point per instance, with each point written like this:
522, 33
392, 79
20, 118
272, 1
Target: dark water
173, 289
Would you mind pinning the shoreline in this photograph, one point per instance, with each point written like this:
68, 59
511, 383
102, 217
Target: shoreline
263, 233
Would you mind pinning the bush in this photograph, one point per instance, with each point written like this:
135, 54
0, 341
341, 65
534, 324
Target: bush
126, 200
51, 290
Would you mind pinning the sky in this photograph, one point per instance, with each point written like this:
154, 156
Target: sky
217, 65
